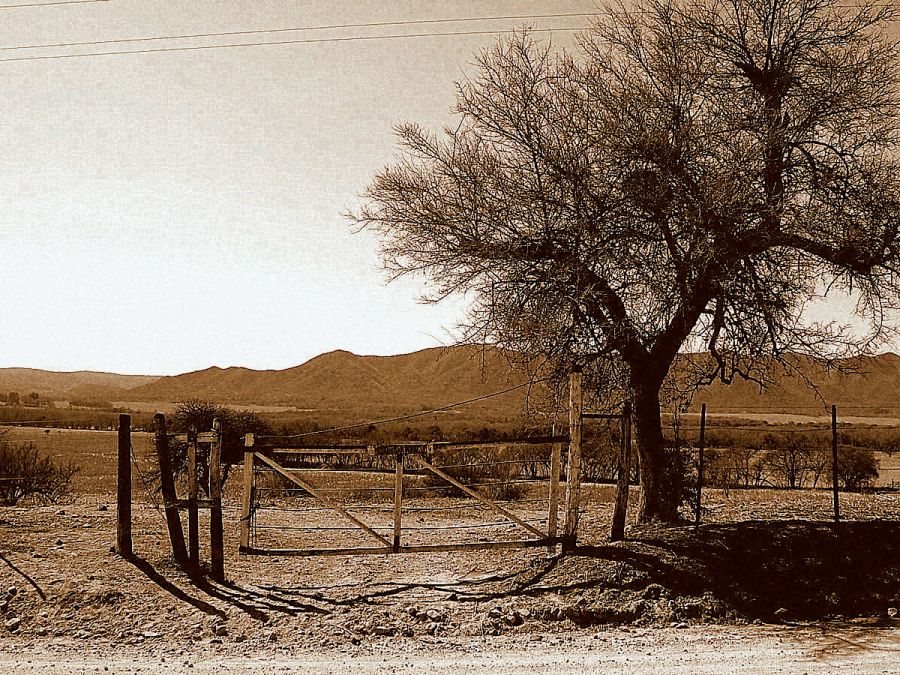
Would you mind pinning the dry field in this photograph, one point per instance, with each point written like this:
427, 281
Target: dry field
767, 582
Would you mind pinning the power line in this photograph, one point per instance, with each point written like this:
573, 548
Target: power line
356, 38
378, 24
401, 418
51, 4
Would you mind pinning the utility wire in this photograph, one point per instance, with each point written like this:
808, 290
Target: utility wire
356, 38
449, 406
297, 29
51, 4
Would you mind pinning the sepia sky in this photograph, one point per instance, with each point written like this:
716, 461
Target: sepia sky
167, 211
171, 210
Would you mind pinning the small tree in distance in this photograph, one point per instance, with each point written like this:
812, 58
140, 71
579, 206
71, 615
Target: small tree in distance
27, 474
689, 179
235, 424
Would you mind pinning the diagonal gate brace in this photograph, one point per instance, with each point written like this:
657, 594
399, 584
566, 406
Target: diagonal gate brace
322, 498
487, 502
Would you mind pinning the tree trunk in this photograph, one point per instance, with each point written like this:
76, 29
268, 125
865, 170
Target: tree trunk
660, 487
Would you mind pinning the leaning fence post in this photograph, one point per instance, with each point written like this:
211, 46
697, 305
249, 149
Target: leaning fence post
167, 484
216, 537
247, 497
834, 464
573, 469
702, 446
123, 488
621, 508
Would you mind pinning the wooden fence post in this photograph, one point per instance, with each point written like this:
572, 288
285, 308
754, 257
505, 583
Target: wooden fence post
216, 536
701, 448
123, 488
573, 470
834, 464
398, 499
621, 508
167, 484
193, 489
247, 496
553, 508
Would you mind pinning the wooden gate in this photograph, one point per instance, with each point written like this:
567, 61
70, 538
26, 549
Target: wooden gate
358, 499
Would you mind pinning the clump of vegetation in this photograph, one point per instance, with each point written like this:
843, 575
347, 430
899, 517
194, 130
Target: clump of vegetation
199, 415
27, 474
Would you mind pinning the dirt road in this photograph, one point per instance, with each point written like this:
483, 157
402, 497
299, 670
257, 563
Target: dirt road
697, 649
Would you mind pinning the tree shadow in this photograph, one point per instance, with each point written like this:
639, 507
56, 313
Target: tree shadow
25, 576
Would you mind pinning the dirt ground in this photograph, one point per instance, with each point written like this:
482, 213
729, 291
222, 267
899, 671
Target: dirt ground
737, 596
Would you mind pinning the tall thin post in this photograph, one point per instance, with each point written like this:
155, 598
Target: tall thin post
834, 464
193, 489
123, 488
247, 496
701, 448
216, 536
573, 472
398, 499
167, 484
620, 511
553, 508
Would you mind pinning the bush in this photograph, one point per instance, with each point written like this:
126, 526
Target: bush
200, 415
25, 473
857, 467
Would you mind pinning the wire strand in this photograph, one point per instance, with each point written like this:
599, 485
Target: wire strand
354, 38
51, 4
297, 29
401, 418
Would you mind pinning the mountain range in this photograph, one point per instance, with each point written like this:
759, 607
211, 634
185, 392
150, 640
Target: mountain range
433, 378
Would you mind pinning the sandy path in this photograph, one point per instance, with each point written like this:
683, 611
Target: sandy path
710, 649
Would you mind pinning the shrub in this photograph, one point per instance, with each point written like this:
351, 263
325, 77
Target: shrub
857, 467
25, 473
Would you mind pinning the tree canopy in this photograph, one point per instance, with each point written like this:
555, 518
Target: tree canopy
692, 176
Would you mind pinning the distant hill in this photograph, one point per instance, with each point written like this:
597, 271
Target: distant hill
425, 379
433, 378
80, 384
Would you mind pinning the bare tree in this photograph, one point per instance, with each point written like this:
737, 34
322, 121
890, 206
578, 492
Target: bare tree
690, 178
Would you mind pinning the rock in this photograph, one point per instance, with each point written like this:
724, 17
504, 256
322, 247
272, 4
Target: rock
412, 610
781, 613
59, 542
11, 591
495, 613
240, 638
383, 630
432, 628
13, 624
273, 637
220, 630
215, 641
892, 612
103, 507
61, 512
151, 634
4, 606
513, 619
653, 592
524, 613
434, 614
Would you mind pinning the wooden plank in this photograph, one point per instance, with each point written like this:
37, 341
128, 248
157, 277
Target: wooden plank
322, 498
322, 450
380, 550
573, 468
123, 488
600, 416
527, 440
247, 493
198, 503
620, 510
207, 437
484, 500
216, 529
398, 499
193, 488
167, 485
